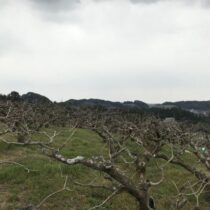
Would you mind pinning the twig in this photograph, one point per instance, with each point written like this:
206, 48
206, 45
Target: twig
52, 194
106, 200
15, 163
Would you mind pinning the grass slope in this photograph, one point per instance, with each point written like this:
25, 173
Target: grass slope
19, 188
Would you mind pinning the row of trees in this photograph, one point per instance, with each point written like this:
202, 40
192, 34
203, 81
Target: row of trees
133, 143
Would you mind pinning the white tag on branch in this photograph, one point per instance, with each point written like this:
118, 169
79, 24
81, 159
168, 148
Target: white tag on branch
75, 160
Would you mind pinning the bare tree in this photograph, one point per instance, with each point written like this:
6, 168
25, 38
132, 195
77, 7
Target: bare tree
132, 143
149, 137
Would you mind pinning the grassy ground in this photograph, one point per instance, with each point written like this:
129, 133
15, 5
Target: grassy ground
19, 188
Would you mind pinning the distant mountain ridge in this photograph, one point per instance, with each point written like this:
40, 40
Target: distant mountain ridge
197, 107
106, 104
31, 97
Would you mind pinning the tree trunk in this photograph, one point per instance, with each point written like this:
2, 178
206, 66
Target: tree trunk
147, 203
143, 206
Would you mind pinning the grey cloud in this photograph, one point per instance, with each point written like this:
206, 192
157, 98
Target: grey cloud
203, 3
56, 10
55, 5
206, 3
145, 1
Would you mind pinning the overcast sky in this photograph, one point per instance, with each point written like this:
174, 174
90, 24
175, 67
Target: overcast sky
150, 50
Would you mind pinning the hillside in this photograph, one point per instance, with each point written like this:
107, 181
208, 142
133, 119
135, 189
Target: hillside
55, 156
193, 111
19, 188
199, 106
202, 107
106, 104
31, 97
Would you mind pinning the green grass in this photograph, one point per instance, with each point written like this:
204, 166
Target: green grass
19, 188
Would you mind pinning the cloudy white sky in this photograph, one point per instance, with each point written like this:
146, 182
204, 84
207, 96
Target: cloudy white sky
150, 50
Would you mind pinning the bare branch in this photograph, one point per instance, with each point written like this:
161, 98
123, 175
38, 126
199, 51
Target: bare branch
8, 113
15, 163
106, 200
56, 192
162, 177
73, 131
94, 186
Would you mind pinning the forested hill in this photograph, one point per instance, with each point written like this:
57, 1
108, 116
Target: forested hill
191, 105
107, 104
165, 109
29, 97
